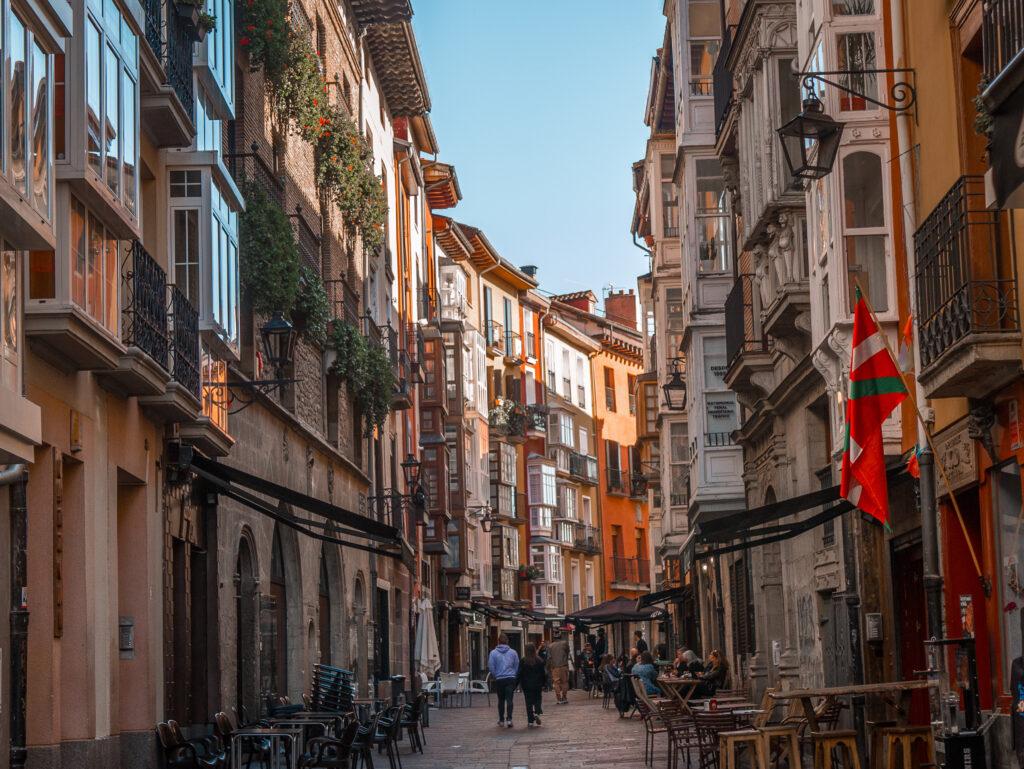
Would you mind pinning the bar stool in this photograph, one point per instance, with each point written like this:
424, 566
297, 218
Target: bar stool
877, 757
899, 742
826, 742
787, 740
729, 741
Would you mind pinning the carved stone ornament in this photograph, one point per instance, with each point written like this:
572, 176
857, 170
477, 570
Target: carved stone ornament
980, 421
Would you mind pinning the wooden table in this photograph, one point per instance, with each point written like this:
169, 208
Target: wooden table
680, 689
902, 690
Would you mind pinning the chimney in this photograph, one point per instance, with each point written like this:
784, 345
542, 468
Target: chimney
620, 307
530, 270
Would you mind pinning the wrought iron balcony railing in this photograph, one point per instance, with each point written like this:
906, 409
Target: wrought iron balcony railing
743, 331
144, 300
587, 538
616, 480
537, 417
1002, 34
428, 309
965, 279
513, 344
343, 300
636, 571
721, 77
508, 418
495, 336
184, 342
171, 39
583, 466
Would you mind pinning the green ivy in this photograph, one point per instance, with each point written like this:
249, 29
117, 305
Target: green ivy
269, 256
312, 305
368, 371
983, 120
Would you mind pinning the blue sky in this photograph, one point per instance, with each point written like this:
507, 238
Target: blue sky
539, 105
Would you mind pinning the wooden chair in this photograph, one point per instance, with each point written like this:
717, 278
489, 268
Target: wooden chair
782, 743
653, 723
827, 743
729, 742
899, 743
877, 745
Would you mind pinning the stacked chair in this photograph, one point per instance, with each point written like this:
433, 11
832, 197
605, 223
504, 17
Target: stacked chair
333, 689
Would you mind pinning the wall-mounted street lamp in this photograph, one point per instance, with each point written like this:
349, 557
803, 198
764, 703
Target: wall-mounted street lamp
810, 141
483, 513
675, 388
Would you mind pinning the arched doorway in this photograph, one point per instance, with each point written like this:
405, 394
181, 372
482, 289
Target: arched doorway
279, 594
246, 647
324, 605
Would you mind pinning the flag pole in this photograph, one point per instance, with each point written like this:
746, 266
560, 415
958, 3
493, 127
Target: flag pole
927, 433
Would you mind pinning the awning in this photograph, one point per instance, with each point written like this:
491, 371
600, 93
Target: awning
619, 609
238, 485
751, 528
662, 596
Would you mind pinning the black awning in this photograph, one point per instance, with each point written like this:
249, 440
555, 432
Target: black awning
619, 609
238, 485
662, 596
758, 526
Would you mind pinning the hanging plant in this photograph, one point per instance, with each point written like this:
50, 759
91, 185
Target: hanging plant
265, 33
983, 121
368, 371
298, 92
207, 21
269, 256
312, 308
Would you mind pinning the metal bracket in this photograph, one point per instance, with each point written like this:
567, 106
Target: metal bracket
902, 93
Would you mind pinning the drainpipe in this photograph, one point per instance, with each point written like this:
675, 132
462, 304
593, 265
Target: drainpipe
929, 512
16, 476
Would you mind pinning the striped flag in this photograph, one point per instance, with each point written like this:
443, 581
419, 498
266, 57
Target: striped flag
876, 388
906, 342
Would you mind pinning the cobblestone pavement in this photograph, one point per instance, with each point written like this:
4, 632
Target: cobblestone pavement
580, 735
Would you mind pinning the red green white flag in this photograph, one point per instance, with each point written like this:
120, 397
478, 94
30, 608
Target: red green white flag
876, 389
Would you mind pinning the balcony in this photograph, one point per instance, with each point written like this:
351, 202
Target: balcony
507, 418
167, 97
969, 327
143, 367
452, 306
748, 350
513, 348
586, 538
343, 300
536, 419
722, 79
617, 481
631, 571
429, 313
181, 399
495, 338
583, 467
1002, 31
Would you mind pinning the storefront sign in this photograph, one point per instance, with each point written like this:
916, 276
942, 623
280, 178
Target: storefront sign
967, 614
958, 453
462, 593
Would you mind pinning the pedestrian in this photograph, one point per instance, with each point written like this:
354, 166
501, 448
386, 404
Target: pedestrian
532, 675
503, 663
542, 652
647, 673
600, 644
558, 664
639, 642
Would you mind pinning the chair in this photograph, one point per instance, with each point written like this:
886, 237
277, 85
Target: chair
431, 687
708, 726
480, 687
899, 742
180, 753
653, 724
450, 687
412, 721
826, 745
362, 745
728, 742
388, 734
786, 741
328, 753
682, 734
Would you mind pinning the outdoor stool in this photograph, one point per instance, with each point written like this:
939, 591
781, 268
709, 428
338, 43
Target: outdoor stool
787, 740
899, 742
877, 757
826, 742
729, 741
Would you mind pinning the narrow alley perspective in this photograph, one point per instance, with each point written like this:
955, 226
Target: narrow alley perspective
511, 384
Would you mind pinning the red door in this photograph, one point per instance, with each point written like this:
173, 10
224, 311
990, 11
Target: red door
911, 622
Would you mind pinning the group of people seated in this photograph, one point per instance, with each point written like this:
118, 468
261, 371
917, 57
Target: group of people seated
713, 675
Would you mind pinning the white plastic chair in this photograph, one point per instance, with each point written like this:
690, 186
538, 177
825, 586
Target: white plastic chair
449, 686
433, 688
480, 687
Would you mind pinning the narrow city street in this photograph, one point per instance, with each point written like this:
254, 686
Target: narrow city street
580, 734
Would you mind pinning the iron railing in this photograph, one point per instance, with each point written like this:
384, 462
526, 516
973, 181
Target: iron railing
344, 302
251, 167
742, 324
615, 480
537, 417
307, 239
428, 309
171, 38
144, 300
1002, 34
718, 439
634, 570
513, 344
965, 282
587, 538
508, 418
185, 342
637, 485
495, 336
721, 77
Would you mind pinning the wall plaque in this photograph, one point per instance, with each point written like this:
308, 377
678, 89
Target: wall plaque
958, 454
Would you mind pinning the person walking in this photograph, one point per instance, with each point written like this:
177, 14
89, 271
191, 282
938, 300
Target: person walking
601, 644
558, 662
639, 642
532, 676
503, 663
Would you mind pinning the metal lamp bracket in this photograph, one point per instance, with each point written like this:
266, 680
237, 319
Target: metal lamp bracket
902, 93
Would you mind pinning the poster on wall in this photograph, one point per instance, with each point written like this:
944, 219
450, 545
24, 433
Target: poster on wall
967, 614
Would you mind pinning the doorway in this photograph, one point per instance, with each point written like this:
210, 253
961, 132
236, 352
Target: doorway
911, 618
246, 649
382, 637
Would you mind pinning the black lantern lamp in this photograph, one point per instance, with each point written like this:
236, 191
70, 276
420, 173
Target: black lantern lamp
278, 342
486, 521
411, 471
810, 141
675, 389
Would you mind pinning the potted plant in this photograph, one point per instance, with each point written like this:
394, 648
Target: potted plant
529, 573
207, 22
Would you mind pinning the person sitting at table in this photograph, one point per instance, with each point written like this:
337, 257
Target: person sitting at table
679, 663
647, 673
717, 674
631, 661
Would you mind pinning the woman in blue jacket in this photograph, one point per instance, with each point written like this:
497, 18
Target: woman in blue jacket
647, 673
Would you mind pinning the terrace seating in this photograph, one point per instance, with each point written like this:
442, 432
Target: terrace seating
899, 746
180, 753
829, 745
412, 721
328, 753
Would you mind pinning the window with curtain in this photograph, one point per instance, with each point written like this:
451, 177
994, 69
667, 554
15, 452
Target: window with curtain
864, 233
712, 218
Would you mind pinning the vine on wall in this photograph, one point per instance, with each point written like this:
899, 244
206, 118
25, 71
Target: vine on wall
367, 369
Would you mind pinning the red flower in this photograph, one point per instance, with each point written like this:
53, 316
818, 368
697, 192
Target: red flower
244, 41
315, 103
1011, 606
250, 27
268, 34
349, 166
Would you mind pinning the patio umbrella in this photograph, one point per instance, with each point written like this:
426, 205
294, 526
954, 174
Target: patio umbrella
615, 610
428, 657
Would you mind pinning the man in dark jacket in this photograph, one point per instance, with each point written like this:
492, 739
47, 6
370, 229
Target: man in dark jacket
503, 663
639, 642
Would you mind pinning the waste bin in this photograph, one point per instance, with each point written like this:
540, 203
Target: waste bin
397, 690
965, 750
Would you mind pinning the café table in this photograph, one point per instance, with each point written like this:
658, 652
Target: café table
680, 689
305, 723
896, 693
282, 746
